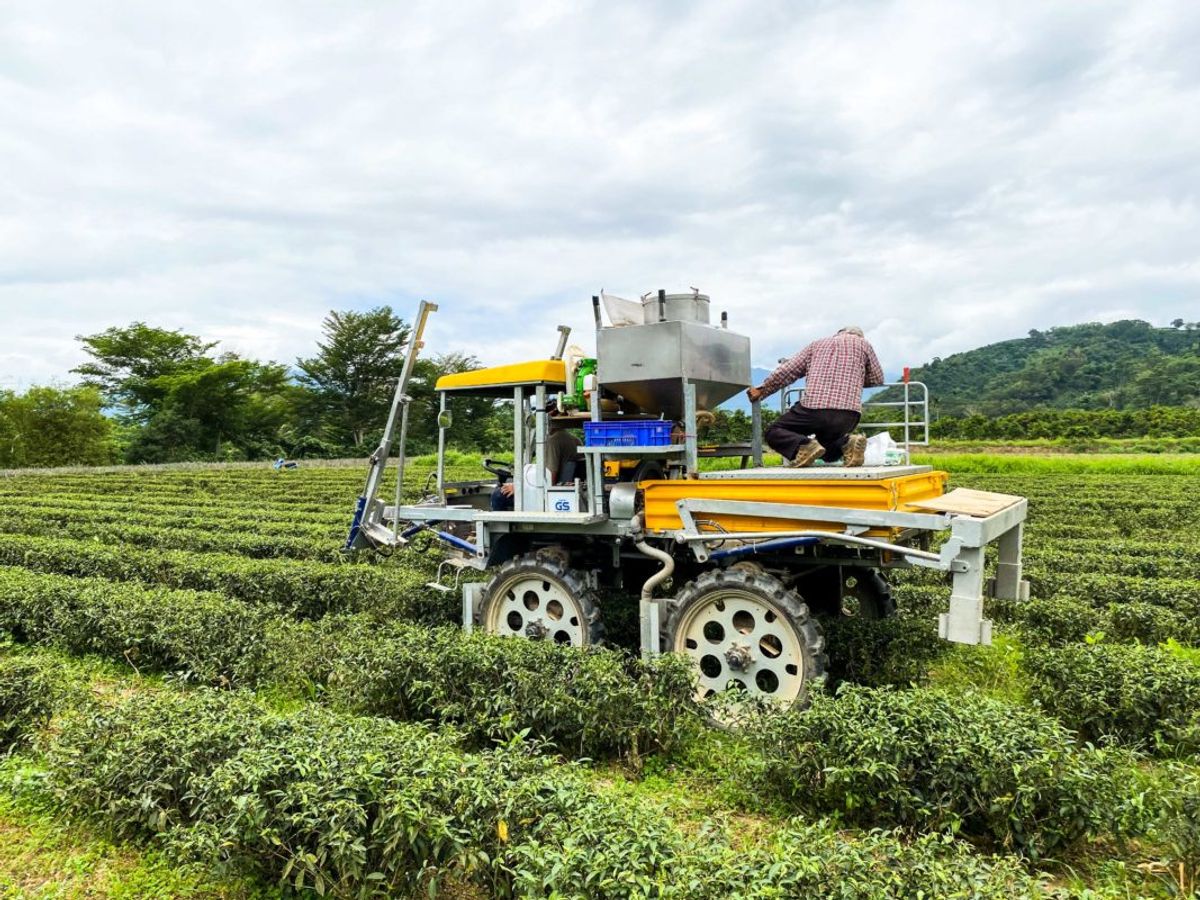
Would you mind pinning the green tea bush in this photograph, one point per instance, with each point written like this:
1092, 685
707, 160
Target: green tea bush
593, 703
1180, 594
353, 806
1178, 830
877, 652
119, 531
934, 761
1147, 623
27, 694
1165, 565
1060, 620
198, 636
1143, 696
134, 762
303, 588
601, 847
1055, 620
343, 804
136, 510
918, 594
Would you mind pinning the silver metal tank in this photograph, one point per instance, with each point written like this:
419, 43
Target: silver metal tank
691, 307
647, 364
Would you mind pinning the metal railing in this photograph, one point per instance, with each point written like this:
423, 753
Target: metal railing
914, 426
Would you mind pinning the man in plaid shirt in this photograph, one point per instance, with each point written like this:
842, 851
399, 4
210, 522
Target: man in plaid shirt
835, 369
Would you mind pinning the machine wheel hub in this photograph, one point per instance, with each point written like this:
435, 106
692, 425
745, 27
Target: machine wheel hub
719, 634
747, 632
537, 597
738, 657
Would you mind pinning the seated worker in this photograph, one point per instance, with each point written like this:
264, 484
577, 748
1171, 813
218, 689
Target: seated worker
835, 369
562, 448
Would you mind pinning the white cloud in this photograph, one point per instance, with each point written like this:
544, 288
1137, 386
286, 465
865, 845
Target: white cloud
944, 174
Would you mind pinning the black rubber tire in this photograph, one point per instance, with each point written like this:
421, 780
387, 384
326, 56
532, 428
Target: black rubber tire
873, 593
774, 594
549, 564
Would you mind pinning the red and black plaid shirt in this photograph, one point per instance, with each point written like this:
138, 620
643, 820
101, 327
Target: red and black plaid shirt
835, 369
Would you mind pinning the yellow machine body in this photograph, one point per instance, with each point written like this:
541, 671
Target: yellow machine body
890, 493
501, 379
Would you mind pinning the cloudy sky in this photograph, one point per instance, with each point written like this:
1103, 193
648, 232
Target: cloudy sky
944, 173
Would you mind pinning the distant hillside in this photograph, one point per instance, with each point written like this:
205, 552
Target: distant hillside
1123, 365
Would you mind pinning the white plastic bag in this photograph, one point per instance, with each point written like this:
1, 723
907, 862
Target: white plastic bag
878, 446
621, 311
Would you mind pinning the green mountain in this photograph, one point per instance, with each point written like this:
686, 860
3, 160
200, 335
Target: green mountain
1123, 365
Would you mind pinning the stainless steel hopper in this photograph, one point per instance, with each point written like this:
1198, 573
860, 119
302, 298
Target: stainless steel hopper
647, 364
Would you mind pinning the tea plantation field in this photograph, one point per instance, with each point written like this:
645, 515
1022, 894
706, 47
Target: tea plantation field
199, 696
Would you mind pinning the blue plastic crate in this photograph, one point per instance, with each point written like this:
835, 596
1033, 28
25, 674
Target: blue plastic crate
627, 434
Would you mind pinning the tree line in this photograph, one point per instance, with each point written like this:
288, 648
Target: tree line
1050, 424
150, 394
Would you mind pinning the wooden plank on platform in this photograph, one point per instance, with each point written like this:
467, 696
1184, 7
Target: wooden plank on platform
967, 502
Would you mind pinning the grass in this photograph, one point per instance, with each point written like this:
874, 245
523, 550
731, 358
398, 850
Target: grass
1061, 464
992, 670
1148, 444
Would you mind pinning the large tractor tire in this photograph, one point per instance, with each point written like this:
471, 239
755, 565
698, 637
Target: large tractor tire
539, 597
745, 630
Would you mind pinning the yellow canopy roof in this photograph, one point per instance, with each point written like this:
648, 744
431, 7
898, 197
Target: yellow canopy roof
551, 372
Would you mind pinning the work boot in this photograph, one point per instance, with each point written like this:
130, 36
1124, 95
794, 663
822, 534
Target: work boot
856, 450
807, 455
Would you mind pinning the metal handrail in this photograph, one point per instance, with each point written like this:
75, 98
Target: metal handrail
910, 423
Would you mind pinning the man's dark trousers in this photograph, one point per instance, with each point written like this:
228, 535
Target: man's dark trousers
831, 427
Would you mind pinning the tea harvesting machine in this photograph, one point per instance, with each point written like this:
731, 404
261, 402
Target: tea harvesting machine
735, 566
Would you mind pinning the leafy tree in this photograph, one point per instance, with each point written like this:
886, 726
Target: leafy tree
49, 426
223, 408
1167, 382
188, 404
353, 375
128, 362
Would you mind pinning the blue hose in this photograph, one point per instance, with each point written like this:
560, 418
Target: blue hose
767, 546
356, 523
458, 542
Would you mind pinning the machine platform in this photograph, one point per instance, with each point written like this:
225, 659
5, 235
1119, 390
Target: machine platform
815, 473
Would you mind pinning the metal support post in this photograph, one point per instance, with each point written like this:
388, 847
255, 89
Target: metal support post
399, 399
690, 440
539, 432
369, 509
518, 448
964, 623
756, 435
650, 619
595, 470
441, 460
1009, 585
400, 461
907, 435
